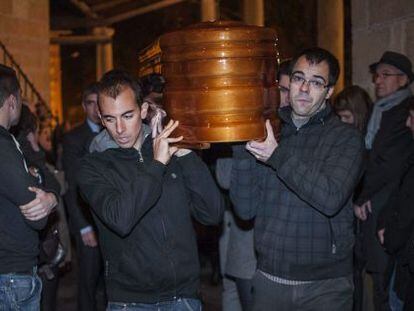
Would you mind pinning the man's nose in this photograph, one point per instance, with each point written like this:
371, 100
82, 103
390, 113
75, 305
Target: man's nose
120, 127
305, 86
377, 78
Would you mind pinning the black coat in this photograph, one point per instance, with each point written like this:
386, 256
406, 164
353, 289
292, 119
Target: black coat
143, 212
397, 218
389, 152
19, 238
75, 146
384, 168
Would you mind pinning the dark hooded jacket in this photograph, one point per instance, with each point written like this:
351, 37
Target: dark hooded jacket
143, 211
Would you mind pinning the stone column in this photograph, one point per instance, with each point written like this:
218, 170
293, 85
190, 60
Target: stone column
208, 10
253, 12
55, 75
104, 55
331, 28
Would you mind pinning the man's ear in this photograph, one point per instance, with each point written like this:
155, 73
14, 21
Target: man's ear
11, 101
403, 80
100, 118
144, 110
330, 92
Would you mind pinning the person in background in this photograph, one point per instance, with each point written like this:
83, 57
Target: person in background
353, 106
27, 134
386, 140
237, 255
25, 207
76, 145
283, 79
395, 227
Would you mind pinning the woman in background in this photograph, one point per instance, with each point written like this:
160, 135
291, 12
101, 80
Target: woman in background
353, 106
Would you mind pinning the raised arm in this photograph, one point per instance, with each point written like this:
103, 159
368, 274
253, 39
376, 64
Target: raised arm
207, 204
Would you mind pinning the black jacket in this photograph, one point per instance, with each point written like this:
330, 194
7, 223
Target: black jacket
75, 146
389, 152
143, 213
19, 241
301, 198
384, 168
398, 216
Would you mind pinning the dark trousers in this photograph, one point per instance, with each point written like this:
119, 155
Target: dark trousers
245, 292
381, 288
324, 295
89, 271
409, 298
49, 292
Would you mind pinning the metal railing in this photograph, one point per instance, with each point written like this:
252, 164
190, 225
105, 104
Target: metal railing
29, 91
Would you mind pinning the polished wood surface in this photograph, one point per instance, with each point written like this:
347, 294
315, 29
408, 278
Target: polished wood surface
221, 82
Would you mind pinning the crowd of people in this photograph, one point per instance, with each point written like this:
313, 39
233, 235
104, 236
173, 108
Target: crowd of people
307, 214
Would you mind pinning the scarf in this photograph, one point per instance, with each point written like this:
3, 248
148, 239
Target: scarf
380, 106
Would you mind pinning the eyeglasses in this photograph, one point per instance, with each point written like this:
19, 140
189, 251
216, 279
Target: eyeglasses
385, 75
312, 84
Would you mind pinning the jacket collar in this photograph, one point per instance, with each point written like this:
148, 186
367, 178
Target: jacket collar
4, 132
104, 141
285, 114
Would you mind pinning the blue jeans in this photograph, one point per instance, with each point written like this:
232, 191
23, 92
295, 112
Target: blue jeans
180, 304
395, 303
20, 292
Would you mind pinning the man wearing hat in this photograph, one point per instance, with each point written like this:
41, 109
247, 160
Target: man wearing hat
386, 140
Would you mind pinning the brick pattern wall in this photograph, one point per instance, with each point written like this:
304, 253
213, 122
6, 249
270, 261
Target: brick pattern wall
24, 29
377, 26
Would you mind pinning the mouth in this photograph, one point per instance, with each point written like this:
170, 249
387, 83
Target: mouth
303, 100
123, 140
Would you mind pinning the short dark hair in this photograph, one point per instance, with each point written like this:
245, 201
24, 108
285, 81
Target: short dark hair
153, 82
90, 89
9, 85
115, 81
27, 122
284, 69
317, 55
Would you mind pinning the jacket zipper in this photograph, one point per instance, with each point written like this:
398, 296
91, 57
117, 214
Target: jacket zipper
140, 157
141, 160
333, 240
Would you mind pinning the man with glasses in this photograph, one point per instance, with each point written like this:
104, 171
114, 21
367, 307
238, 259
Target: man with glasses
387, 139
299, 190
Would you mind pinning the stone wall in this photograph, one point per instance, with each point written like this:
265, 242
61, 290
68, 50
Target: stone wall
24, 30
331, 33
377, 26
